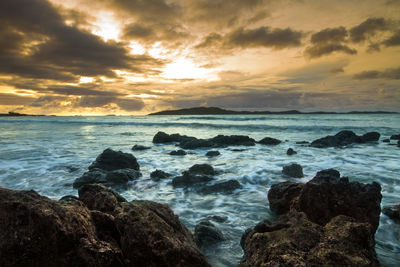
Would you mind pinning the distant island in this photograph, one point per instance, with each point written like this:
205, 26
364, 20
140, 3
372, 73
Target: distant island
16, 114
220, 111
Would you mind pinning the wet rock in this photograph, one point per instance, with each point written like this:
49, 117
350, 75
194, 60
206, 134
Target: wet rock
111, 178
395, 137
226, 187
111, 160
158, 174
387, 140
205, 169
290, 152
269, 141
293, 170
98, 229
281, 196
213, 153
90, 177
140, 148
162, 138
179, 152
188, 179
295, 241
122, 176
344, 138
393, 212
398, 143
233, 140
302, 143
206, 233
217, 218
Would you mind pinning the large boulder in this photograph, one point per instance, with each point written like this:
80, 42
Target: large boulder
110, 178
269, 141
159, 174
226, 187
205, 169
198, 173
206, 234
344, 138
293, 170
281, 195
100, 228
111, 160
395, 137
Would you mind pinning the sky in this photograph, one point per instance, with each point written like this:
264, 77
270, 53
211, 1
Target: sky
134, 57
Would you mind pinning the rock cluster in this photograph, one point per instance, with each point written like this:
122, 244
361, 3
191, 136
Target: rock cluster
328, 221
345, 138
100, 228
110, 168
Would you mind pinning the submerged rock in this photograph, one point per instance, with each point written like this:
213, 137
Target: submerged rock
326, 222
188, 179
395, 137
344, 138
269, 141
179, 152
140, 148
226, 187
293, 170
213, 153
206, 233
393, 212
290, 152
111, 160
302, 143
158, 174
387, 140
98, 229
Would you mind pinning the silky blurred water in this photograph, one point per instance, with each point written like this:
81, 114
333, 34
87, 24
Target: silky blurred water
48, 153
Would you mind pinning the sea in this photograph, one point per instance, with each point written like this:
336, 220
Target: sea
47, 154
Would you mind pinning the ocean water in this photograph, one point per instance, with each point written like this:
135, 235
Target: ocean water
48, 153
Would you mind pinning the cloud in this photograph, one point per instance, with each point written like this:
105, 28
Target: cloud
389, 74
394, 40
368, 28
329, 35
12, 99
326, 49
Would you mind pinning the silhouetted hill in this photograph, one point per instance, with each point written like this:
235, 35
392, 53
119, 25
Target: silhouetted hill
16, 114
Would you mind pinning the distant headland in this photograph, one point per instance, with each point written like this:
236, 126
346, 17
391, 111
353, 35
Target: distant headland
220, 111
16, 114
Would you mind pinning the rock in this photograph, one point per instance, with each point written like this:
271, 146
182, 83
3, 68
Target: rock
398, 143
393, 212
206, 233
387, 140
213, 153
161, 138
281, 196
140, 148
179, 152
205, 169
293, 170
98, 229
269, 141
233, 140
217, 218
395, 137
302, 143
370, 137
111, 178
344, 138
188, 179
158, 174
226, 187
111, 160
290, 152
295, 241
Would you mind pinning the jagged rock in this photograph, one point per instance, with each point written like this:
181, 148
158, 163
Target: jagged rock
99, 229
162, 138
387, 140
295, 241
158, 174
140, 148
393, 212
205, 169
269, 141
290, 152
281, 195
179, 152
116, 177
206, 233
188, 179
395, 137
293, 170
226, 187
111, 160
213, 153
344, 138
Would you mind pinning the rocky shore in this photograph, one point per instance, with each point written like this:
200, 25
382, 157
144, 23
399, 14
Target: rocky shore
328, 221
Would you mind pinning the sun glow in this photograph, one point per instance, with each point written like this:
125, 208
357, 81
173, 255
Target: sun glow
184, 68
107, 28
85, 79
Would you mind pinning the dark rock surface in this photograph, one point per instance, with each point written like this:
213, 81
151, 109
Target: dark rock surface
290, 152
395, 137
213, 153
140, 148
226, 187
159, 174
344, 138
206, 233
98, 229
293, 170
302, 143
326, 222
269, 141
393, 212
205, 169
188, 179
111, 160
188, 142
387, 140
179, 152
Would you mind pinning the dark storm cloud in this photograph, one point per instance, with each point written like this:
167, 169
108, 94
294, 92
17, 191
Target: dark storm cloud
389, 74
37, 43
326, 49
368, 28
394, 40
152, 32
329, 35
12, 99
